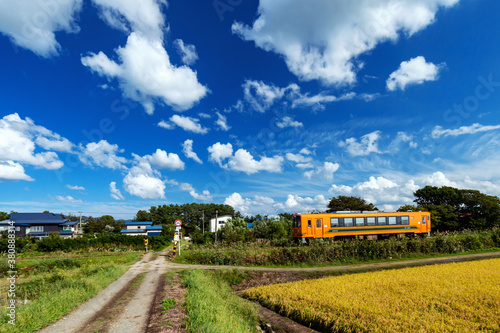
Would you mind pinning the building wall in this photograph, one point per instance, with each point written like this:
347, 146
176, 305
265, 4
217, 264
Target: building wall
221, 221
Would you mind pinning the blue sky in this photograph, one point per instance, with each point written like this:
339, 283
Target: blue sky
113, 106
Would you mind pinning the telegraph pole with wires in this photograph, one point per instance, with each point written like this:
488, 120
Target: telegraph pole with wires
80, 231
216, 212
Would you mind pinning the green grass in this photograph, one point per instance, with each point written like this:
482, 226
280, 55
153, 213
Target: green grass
213, 308
168, 304
324, 253
55, 287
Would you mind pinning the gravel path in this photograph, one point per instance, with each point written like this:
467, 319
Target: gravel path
136, 313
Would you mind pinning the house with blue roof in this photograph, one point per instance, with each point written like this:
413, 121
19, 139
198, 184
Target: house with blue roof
139, 228
40, 225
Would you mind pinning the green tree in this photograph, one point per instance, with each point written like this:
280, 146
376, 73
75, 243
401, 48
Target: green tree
454, 209
342, 203
432, 195
410, 208
142, 215
4, 216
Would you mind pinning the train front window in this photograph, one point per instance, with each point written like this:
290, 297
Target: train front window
334, 222
318, 223
348, 222
296, 222
423, 219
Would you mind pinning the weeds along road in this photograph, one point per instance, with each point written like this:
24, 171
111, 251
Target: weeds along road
126, 304
349, 268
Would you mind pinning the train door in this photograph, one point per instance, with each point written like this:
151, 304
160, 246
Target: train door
319, 228
426, 223
310, 228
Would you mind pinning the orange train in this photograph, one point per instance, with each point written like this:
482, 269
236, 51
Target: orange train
353, 224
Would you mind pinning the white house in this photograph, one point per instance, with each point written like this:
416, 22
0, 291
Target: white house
221, 221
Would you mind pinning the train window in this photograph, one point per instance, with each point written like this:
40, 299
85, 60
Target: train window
348, 221
309, 223
334, 222
392, 220
382, 220
318, 223
297, 221
360, 221
405, 220
370, 221
423, 219
341, 222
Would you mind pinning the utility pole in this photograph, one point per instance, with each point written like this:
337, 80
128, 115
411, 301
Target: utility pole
216, 212
203, 221
80, 231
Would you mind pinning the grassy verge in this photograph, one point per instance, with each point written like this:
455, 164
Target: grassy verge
51, 288
213, 308
347, 252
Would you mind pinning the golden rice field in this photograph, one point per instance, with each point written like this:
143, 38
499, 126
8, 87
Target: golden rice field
456, 297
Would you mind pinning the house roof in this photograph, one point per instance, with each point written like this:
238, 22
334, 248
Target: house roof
138, 223
154, 227
37, 218
133, 231
70, 223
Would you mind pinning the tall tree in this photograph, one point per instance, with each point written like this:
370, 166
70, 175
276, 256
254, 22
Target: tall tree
454, 209
142, 215
343, 202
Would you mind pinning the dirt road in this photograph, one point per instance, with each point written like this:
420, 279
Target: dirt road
100, 313
128, 304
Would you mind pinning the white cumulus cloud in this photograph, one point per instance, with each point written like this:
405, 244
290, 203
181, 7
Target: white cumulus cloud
243, 161
187, 148
366, 145
221, 122
288, 122
325, 171
219, 152
75, 187
18, 142
68, 198
411, 72
114, 192
188, 124
32, 24
323, 39
186, 51
143, 181
163, 160
103, 154
12, 171
145, 74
